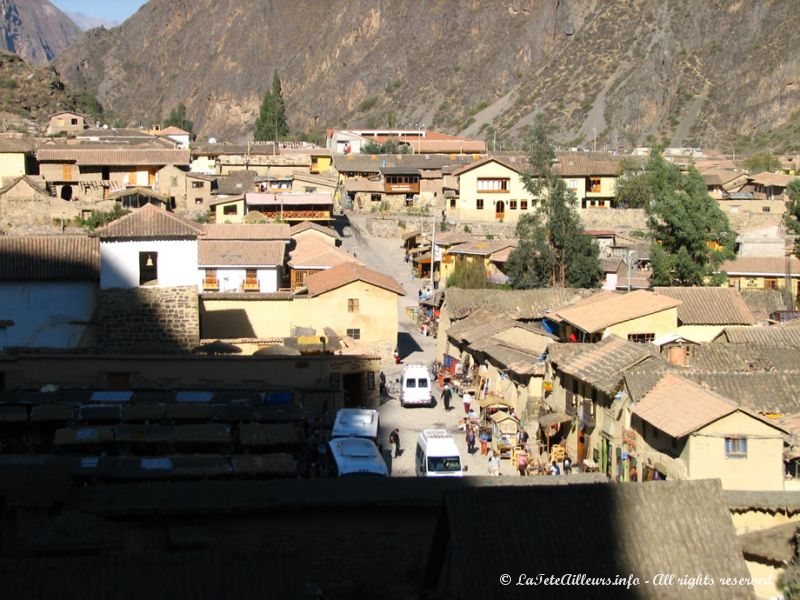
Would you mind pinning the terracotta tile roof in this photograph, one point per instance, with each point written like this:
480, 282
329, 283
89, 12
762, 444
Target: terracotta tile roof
172, 130
47, 258
238, 182
501, 256
226, 199
138, 191
247, 231
774, 179
306, 225
762, 392
608, 308
781, 337
602, 364
114, 156
484, 161
678, 407
763, 303
483, 247
709, 305
610, 265
745, 358
480, 324
14, 145
360, 184
519, 304
451, 238
331, 279
585, 164
311, 252
250, 253
373, 163
150, 222
760, 265
36, 185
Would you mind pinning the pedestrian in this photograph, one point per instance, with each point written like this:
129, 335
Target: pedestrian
554, 470
470, 440
484, 440
419, 294
632, 474
447, 394
522, 437
522, 463
406, 258
567, 465
394, 438
396, 355
494, 465
467, 400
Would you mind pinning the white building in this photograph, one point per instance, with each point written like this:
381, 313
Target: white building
48, 291
149, 247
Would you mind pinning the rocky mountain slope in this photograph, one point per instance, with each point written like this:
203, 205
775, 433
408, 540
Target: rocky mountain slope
35, 30
722, 73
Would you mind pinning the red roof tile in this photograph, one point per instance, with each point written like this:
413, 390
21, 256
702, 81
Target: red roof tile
331, 279
150, 222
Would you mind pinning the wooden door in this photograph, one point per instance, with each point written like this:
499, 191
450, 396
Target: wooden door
499, 210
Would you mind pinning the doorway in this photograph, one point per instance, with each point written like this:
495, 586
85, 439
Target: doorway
500, 210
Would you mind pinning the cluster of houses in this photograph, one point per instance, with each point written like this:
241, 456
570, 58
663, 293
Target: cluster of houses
673, 383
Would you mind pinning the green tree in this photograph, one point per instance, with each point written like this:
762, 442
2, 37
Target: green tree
553, 249
692, 236
98, 218
177, 118
632, 186
469, 275
271, 123
792, 217
763, 161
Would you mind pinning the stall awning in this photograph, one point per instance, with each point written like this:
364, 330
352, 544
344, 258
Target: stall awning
554, 417
492, 400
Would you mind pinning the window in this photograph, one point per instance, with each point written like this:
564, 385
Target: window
352, 305
572, 184
173, 181
452, 202
594, 185
375, 197
198, 200
148, 267
229, 210
770, 283
512, 205
422, 383
105, 173
493, 185
354, 333
641, 338
479, 204
735, 447
765, 209
67, 172
411, 383
73, 121
523, 205
197, 184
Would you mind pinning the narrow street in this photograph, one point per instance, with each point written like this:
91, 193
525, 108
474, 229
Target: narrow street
386, 255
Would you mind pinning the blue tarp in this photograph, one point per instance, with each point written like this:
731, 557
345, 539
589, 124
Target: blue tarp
278, 397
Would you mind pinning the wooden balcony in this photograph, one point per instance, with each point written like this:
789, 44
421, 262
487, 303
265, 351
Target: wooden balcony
570, 405
211, 285
251, 285
401, 188
588, 416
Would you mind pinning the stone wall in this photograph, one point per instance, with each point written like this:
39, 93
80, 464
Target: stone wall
148, 319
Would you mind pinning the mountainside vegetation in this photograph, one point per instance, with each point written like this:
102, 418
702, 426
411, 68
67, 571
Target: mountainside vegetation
615, 73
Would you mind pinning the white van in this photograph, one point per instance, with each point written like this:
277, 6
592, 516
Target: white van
437, 455
357, 422
416, 386
355, 456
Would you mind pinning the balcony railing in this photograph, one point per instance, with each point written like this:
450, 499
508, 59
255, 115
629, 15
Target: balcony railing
210, 284
251, 285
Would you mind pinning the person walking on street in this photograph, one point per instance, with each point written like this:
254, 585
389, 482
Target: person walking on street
470, 440
394, 438
494, 465
567, 465
467, 400
447, 394
484, 440
522, 464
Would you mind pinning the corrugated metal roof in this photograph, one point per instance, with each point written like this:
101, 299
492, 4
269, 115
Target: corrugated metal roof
709, 305
49, 258
249, 253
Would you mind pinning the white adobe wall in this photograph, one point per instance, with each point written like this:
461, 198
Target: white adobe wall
119, 262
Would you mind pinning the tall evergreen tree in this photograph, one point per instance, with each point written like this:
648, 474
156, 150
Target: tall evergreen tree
178, 118
271, 122
692, 236
553, 249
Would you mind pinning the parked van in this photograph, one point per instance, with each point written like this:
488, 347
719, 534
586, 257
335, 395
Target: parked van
357, 422
437, 455
353, 456
416, 386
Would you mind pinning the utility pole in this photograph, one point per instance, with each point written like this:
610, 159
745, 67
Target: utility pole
433, 250
594, 143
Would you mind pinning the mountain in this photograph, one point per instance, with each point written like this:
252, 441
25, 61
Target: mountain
608, 72
35, 30
85, 21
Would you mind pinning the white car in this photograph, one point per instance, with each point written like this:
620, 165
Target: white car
416, 386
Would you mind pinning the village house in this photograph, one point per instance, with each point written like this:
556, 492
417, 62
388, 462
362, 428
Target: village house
311, 255
591, 176
91, 171
24, 202
308, 230
49, 290
444, 241
268, 159
16, 159
490, 253
491, 190
638, 316
685, 431
290, 206
66, 121
242, 257
417, 141
704, 312
763, 273
176, 134
189, 193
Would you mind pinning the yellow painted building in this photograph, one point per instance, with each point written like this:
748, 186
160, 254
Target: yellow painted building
228, 210
363, 310
491, 190
12, 165
763, 273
